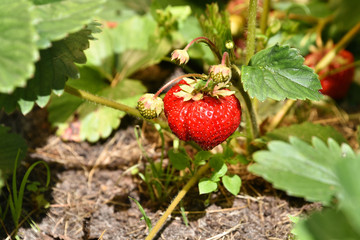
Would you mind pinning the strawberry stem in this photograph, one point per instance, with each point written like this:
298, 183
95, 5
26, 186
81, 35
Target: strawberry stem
109, 103
206, 40
250, 41
176, 200
174, 80
251, 122
265, 16
225, 59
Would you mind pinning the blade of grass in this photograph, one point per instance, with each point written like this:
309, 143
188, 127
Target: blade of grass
146, 218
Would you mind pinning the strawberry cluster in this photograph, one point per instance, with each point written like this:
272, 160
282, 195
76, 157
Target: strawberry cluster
200, 109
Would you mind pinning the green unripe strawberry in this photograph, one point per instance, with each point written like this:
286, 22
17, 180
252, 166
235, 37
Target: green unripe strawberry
219, 73
149, 106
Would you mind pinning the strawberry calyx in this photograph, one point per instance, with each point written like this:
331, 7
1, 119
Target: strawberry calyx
195, 89
180, 56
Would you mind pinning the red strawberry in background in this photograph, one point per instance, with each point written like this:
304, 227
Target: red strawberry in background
205, 119
336, 78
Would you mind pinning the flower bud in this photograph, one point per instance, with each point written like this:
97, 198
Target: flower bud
180, 56
219, 73
150, 107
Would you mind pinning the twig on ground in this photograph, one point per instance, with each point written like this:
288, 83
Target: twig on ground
225, 233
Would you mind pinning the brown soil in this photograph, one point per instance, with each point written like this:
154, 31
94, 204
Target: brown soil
91, 183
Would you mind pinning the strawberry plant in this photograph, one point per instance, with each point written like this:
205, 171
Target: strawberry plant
213, 108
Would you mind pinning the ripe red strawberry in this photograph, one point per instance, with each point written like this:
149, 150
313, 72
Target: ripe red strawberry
208, 121
335, 85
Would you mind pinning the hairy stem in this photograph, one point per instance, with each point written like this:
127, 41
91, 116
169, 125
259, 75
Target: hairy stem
109, 103
251, 123
250, 41
176, 201
225, 59
208, 42
174, 80
265, 16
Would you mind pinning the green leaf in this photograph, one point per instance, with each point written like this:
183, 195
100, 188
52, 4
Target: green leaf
207, 186
10, 144
305, 131
301, 169
56, 65
59, 18
180, 160
61, 108
137, 45
134, 33
99, 121
232, 183
298, 38
227, 152
217, 162
133, 60
115, 11
217, 174
100, 54
239, 158
17, 44
349, 192
327, 224
278, 73
201, 157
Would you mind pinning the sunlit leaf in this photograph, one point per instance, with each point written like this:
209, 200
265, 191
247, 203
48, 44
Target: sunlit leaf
17, 44
278, 73
206, 185
56, 65
232, 183
349, 191
301, 169
327, 224
57, 19
305, 131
